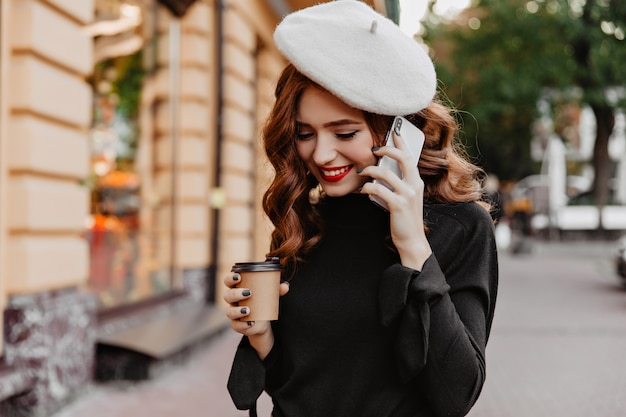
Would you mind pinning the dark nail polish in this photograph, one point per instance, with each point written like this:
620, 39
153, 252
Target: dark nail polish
250, 323
359, 170
244, 310
375, 148
245, 293
236, 277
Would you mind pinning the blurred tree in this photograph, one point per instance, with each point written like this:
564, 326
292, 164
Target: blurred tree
599, 51
497, 57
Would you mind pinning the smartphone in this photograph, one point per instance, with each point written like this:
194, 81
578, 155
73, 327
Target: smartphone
414, 139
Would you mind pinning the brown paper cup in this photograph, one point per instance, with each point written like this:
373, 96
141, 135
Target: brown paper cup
263, 280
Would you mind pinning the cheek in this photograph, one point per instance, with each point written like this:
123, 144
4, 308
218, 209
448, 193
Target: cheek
370, 159
364, 155
304, 150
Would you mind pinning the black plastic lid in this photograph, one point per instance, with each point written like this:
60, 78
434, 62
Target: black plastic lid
270, 264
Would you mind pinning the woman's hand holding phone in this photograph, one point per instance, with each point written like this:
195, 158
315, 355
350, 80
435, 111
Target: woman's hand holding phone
413, 141
402, 195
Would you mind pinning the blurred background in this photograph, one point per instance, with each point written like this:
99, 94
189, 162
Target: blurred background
131, 177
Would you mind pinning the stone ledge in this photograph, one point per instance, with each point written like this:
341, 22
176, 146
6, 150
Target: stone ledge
140, 351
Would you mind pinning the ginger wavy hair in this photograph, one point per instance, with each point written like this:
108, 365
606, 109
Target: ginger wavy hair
449, 177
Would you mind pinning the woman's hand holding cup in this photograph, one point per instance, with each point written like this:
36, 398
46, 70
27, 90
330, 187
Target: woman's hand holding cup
253, 294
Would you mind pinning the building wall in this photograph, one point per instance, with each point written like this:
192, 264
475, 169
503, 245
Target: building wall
269, 68
4, 114
200, 129
48, 113
45, 116
193, 131
231, 182
249, 60
49, 104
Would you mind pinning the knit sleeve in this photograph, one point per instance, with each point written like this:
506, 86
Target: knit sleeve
406, 299
443, 319
247, 378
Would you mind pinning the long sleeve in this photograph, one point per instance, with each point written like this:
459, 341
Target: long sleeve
407, 299
443, 319
248, 374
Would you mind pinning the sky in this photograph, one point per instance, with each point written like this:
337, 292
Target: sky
412, 12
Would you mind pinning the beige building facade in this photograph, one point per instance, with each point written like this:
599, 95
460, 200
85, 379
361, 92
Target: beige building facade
131, 176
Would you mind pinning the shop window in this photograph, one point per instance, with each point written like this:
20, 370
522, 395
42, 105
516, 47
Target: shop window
129, 237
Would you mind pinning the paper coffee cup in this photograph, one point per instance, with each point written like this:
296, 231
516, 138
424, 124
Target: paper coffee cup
263, 280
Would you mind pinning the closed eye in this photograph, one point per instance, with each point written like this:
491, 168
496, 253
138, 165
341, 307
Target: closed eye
348, 135
304, 136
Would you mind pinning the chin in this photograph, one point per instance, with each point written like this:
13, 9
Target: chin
336, 193
335, 190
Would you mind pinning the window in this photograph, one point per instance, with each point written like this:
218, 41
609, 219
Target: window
129, 230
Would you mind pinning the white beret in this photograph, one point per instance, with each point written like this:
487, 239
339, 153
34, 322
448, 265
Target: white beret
360, 56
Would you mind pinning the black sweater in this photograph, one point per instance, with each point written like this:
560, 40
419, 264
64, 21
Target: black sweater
361, 335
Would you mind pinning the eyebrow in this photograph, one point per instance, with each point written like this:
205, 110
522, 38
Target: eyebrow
341, 122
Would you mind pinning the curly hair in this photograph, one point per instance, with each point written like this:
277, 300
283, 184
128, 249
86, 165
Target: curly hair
448, 175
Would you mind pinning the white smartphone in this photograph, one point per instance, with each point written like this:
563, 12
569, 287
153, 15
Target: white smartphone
414, 139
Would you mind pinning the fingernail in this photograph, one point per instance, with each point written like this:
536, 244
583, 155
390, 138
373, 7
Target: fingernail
244, 310
375, 148
359, 170
245, 293
250, 323
236, 277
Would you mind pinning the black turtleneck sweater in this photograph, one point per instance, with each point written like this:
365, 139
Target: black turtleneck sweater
361, 335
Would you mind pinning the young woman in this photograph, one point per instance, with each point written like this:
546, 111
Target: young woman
383, 313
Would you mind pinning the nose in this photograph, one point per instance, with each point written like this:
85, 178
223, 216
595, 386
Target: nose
325, 150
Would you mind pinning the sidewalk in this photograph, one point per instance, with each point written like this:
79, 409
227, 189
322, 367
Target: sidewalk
559, 335
196, 388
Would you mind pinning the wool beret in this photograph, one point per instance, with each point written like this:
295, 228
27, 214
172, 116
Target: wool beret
360, 56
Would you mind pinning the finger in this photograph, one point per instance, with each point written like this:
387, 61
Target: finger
399, 142
284, 288
241, 326
382, 174
408, 167
403, 194
237, 313
401, 152
379, 191
408, 164
235, 295
396, 149
231, 281
390, 151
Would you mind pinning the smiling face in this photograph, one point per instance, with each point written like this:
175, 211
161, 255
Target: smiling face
333, 140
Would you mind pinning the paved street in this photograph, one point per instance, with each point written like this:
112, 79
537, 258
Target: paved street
195, 389
559, 337
557, 349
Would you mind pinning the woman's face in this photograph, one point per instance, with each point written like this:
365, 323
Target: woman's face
334, 141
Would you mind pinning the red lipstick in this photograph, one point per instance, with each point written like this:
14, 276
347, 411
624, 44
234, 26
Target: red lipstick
334, 174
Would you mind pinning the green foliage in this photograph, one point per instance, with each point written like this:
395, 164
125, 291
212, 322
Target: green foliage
496, 72
128, 85
117, 84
